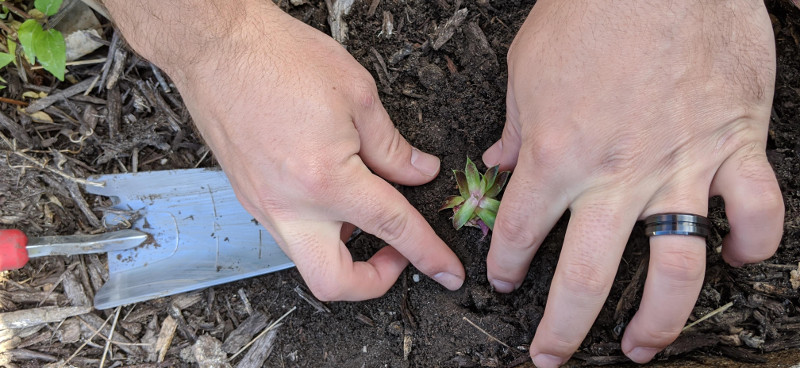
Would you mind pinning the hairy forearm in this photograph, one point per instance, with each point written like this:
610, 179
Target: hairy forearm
178, 34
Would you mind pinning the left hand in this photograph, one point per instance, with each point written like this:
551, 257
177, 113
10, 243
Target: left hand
617, 111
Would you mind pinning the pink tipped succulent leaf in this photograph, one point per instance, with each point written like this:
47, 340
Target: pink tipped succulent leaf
498, 185
476, 205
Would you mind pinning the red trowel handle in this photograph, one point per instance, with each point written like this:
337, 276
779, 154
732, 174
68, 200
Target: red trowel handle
13, 254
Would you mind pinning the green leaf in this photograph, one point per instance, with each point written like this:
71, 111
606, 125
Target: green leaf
461, 180
464, 213
5, 59
48, 7
451, 202
51, 52
499, 183
490, 176
12, 49
25, 35
473, 176
487, 216
489, 204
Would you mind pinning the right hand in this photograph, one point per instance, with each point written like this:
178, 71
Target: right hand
297, 125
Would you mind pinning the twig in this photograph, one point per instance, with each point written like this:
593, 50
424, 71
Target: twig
87, 340
707, 316
310, 299
15, 10
270, 327
48, 168
486, 333
118, 343
110, 336
91, 86
13, 101
76, 63
37, 316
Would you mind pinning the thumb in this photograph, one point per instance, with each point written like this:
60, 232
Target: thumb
386, 152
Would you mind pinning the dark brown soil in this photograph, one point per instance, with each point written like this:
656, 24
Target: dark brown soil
450, 102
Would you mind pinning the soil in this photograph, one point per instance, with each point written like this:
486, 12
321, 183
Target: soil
448, 101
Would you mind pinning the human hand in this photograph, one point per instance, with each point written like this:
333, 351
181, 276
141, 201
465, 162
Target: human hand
621, 110
297, 125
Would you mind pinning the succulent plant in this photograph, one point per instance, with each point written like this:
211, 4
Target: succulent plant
476, 205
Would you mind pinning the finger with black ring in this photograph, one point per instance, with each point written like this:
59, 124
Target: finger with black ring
674, 279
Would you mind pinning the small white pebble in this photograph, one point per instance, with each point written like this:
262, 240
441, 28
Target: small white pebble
364, 349
415, 277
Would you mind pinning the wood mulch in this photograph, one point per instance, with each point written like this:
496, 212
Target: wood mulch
123, 115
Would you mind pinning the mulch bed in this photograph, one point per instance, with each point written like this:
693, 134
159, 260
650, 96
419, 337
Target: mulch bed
441, 73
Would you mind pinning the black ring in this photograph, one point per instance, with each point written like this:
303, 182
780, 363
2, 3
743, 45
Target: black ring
677, 224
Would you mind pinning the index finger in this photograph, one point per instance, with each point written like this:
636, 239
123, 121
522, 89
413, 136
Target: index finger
379, 209
328, 268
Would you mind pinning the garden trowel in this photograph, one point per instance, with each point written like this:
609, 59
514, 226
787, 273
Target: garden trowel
201, 235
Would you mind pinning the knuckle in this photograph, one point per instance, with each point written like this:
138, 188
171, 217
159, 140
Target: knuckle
393, 146
391, 225
660, 337
513, 231
681, 265
548, 149
365, 92
768, 200
326, 289
313, 176
586, 278
557, 341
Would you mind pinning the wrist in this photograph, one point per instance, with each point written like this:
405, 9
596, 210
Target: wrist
183, 36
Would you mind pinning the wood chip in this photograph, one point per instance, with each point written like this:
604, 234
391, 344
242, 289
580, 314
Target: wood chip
114, 111
94, 323
117, 67
259, 351
337, 9
208, 352
151, 339
185, 330
37, 316
310, 299
448, 29
45, 102
373, 6
246, 301
245, 332
17, 131
187, 300
69, 332
21, 355
168, 328
73, 289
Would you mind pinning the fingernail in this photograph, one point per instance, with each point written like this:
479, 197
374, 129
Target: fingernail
449, 280
425, 163
492, 155
642, 355
736, 264
546, 361
502, 286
